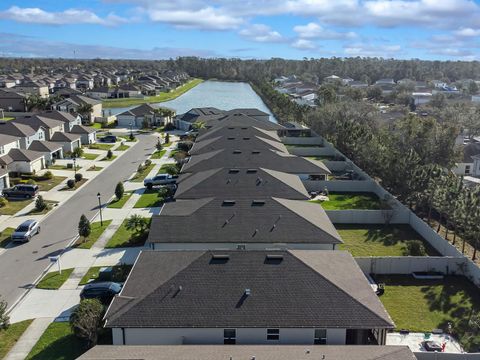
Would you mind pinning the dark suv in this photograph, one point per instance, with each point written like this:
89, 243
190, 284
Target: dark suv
103, 291
21, 191
109, 139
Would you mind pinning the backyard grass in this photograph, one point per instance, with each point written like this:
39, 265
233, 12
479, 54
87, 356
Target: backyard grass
62, 167
111, 159
5, 236
424, 305
122, 148
158, 154
140, 176
152, 99
14, 205
43, 184
96, 231
150, 198
90, 156
53, 280
98, 146
120, 274
351, 201
379, 240
8, 337
94, 168
118, 204
127, 238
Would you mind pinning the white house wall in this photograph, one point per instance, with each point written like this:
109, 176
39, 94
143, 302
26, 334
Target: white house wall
8, 147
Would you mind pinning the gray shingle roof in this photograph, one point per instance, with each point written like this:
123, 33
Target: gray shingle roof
141, 110
263, 220
238, 131
44, 146
244, 352
24, 155
64, 137
240, 183
236, 143
286, 293
37, 122
7, 139
16, 129
58, 115
80, 129
239, 119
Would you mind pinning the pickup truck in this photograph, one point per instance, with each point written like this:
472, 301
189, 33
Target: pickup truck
21, 191
160, 179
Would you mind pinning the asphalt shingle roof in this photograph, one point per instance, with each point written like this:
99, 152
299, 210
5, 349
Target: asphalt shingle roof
236, 143
64, 137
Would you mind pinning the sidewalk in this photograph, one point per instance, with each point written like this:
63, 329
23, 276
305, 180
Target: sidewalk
29, 338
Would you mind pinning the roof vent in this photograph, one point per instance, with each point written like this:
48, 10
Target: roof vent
220, 256
246, 138
228, 202
248, 292
255, 152
233, 171
273, 259
237, 152
244, 128
251, 171
231, 138
231, 128
258, 202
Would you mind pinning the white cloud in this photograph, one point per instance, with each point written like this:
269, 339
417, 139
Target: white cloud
304, 44
261, 33
315, 31
467, 32
371, 50
69, 16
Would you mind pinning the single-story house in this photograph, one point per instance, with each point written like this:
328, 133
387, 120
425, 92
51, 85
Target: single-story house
52, 150
23, 161
88, 135
302, 297
185, 121
135, 117
69, 141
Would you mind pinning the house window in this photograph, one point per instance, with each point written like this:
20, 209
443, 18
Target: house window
273, 334
2, 150
320, 337
229, 336
467, 169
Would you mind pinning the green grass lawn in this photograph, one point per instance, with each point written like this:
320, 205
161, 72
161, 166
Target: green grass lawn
62, 167
140, 176
98, 146
163, 169
10, 336
14, 205
43, 184
150, 198
351, 201
50, 206
5, 236
122, 148
120, 274
53, 280
127, 138
94, 168
126, 238
379, 240
97, 230
111, 159
96, 126
77, 185
424, 305
109, 103
118, 204
7, 118
89, 156
158, 154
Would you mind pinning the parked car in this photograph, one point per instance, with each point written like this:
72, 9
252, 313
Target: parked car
109, 139
160, 179
21, 190
26, 231
103, 291
432, 346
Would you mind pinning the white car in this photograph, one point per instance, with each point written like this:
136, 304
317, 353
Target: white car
26, 231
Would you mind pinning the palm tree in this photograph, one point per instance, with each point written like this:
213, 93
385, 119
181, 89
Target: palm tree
85, 111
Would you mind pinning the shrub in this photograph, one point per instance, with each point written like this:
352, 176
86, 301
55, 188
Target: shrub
31, 182
148, 162
40, 203
167, 138
78, 152
48, 175
169, 127
185, 145
71, 183
415, 248
3, 202
140, 168
119, 190
109, 154
86, 320
145, 124
78, 177
131, 137
84, 228
170, 169
4, 318
159, 145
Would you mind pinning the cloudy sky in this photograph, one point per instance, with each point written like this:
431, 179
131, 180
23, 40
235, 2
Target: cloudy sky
155, 29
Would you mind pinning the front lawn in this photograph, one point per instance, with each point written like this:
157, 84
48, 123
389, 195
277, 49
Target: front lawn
53, 280
119, 274
140, 176
62, 167
127, 238
50, 206
150, 198
122, 148
94, 168
118, 204
168, 169
90, 156
8, 337
424, 305
43, 183
77, 185
127, 138
96, 231
98, 146
109, 159
158, 154
5, 236
379, 240
351, 201
14, 205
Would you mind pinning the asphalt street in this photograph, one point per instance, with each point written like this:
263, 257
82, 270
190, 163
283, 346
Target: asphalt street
22, 264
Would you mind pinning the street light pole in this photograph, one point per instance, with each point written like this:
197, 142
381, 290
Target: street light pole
74, 166
100, 207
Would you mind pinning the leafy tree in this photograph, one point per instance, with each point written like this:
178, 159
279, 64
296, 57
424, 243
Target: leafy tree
84, 227
374, 93
415, 248
4, 318
145, 124
326, 94
119, 190
159, 145
86, 320
109, 154
77, 152
167, 138
136, 223
40, 203
197, 125
438, 100
85, 111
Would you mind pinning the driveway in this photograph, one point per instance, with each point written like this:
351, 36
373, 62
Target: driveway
22, 265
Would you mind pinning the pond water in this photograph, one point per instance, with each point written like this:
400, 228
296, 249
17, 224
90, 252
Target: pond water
220, 94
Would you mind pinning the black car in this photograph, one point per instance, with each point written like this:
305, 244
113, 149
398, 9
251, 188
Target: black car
109, 139
21, 191
103, 291
432, 346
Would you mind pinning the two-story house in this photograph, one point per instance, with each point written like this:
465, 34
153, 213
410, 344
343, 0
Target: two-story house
25, 133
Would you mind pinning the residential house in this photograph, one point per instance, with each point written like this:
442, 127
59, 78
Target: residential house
13, 101
332, 79
32, 88
23, 161
84, 82
135, 117
247, 298
102, 92
51, 150
256, 352
470, 165
88, 135
241, 143
7, 82
238, 131
25, 133
4, 178
8, 142
358, 84
74, 102
38, 122
185, 121
237, 118
68, 141
421, 98
127, 91
68, 119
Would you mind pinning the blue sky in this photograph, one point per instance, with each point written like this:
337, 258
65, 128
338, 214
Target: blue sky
292, 29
